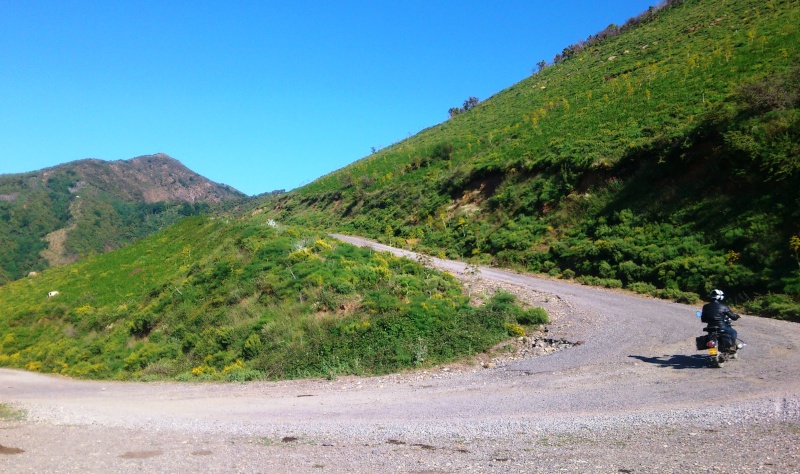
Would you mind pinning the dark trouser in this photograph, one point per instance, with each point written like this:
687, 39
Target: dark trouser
732, 335
728, 336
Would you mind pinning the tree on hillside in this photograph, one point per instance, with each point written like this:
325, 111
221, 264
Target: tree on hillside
469, 104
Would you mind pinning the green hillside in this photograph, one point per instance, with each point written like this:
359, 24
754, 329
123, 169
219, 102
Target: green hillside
663, 157
211, 298
58, 215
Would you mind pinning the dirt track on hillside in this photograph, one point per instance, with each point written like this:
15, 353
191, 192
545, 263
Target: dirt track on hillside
634, 396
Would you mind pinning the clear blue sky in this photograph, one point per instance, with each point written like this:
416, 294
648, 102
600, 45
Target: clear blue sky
261, 95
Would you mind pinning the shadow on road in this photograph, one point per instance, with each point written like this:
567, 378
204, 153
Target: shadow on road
677, 361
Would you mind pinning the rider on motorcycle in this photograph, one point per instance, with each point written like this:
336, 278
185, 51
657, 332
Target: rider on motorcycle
717, 315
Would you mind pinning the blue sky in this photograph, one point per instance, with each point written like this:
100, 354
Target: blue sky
261, 95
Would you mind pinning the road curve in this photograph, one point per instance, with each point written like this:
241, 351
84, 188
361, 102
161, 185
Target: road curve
647, 344
635, 378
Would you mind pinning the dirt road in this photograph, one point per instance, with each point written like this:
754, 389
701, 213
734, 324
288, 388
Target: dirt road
634, 396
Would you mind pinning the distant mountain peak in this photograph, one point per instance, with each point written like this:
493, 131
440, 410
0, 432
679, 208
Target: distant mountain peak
59, 214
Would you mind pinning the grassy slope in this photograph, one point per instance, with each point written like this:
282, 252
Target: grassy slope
664, 159
238, 300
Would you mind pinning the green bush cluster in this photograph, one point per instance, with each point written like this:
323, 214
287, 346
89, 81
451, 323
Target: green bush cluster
774, 305
212, 299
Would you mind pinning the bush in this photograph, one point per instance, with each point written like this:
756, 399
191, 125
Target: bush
642, 288
533, 316
677, 295
775, 306
792, 284
596, 281
501, 299
514, 329
141, 324
767, 93
442, 152
252, 346
239, 372
342, 287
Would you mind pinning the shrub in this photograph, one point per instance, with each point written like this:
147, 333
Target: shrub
243, 375
162, 369
342, 287
252, 346
792, 284
442, 152
203, 371
141, 324
775, 306
381, 303
514, 329
531, 316
769, 93
239, 372
148, 353
642, 288
596, 281
677, 295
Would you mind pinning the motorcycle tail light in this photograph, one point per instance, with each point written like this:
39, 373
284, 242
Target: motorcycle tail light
711, 344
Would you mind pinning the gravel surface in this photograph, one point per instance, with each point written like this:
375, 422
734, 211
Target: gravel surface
631, 395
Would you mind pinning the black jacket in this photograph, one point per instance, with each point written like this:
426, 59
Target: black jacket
715, 314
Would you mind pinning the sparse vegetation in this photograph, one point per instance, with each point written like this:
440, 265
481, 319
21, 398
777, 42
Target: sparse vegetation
9, 413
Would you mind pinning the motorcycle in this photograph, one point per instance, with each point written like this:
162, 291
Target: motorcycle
720, 348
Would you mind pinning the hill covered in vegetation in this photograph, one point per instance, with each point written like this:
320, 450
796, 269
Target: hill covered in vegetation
662, 156
211, 298
60, 214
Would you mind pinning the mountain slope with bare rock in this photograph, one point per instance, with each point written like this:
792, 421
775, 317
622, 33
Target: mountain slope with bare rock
58, 215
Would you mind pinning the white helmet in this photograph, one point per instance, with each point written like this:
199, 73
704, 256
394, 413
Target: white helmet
716, 295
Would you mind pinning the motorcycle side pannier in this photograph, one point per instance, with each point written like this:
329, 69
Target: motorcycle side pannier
702, 342
727, 341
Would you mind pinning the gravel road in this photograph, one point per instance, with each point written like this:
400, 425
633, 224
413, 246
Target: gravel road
632, 396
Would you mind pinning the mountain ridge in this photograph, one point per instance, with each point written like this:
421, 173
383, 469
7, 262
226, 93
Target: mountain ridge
146, 170
59, 214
